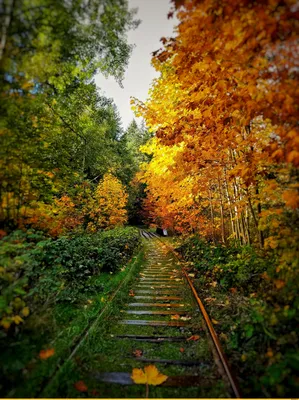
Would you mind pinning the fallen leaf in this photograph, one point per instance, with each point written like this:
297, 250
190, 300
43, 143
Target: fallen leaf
208, 299
215, 321
233, 290
150, 375
223, 336
45, 354
137, 353
182, 349
191, 275
80, 386
269, 353
185, 318
279, 283
176, 316
131, 293
193, 337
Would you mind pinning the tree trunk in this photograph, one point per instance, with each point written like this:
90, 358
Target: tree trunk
8, 10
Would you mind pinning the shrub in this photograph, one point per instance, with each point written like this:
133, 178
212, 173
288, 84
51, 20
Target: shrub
15, 259
261, 317
230, 266
36, 270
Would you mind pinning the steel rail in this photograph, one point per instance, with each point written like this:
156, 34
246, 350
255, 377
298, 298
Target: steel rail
210, 327
214, 336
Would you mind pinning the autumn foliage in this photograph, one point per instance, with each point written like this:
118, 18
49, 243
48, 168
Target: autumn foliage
110, 202
225, 159
224, 109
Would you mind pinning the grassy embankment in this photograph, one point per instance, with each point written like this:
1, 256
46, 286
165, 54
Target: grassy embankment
52, 291
254, 314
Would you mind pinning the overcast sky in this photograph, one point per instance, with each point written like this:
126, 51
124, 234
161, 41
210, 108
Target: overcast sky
140, 73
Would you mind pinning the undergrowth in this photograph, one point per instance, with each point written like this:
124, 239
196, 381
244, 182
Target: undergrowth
255, 315
51, 290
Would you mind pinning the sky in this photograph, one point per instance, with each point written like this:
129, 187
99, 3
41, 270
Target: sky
140, 73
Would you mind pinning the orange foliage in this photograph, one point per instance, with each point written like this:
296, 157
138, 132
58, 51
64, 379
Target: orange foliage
45, 354
224, 110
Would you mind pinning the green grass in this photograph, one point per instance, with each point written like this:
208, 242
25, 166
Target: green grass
61, 328
103, 352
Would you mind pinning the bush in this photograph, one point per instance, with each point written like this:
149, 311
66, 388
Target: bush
257, 310
15, 258
230, 266
36, 270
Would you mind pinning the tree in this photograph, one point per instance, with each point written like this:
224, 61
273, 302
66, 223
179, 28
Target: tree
217, 98
56, 129
134, 137
109, 209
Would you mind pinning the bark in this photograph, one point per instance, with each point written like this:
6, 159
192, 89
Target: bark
6, 24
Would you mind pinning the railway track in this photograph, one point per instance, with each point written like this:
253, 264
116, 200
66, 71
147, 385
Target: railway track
218, 352
165, 310
161, 321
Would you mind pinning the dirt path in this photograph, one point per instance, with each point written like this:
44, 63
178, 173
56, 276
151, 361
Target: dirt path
151, 323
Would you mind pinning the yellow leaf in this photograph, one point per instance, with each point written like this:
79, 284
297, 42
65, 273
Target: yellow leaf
150, 376
17, 319
176, 316
215, 322
154, 377
138, 376
5, 323
25, 311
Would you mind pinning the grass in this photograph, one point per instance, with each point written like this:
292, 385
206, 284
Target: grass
103, 352
84, 339
60, 328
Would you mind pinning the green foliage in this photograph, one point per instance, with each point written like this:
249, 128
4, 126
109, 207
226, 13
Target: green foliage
132, 158
117, 247
58, 326
257, 313
16, 257
230, 266
39, 271
57, 130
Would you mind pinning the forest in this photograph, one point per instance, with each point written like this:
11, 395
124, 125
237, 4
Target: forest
214, 161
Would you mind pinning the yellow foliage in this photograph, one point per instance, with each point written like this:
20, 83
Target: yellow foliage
110, 204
